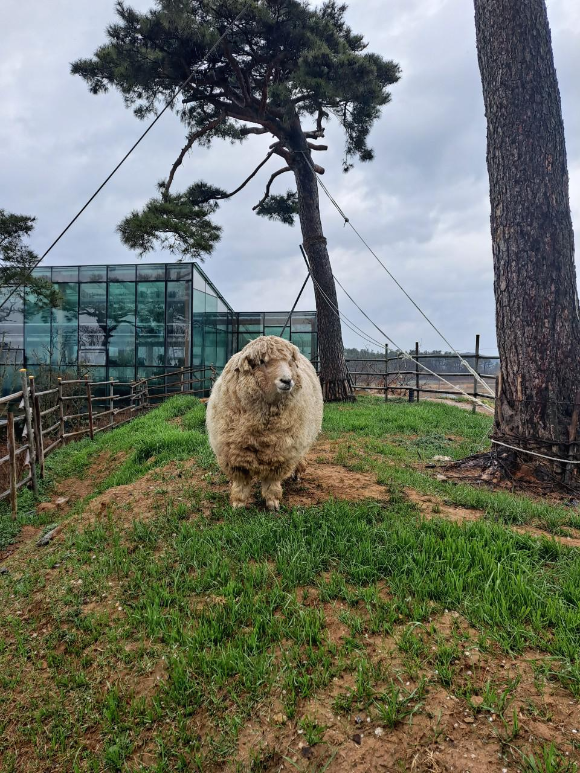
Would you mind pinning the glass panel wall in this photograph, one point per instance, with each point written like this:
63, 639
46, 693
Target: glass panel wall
93, 324
121, 325
301, 329
178, 334
151, 324
128, 321
37, 330
65, 326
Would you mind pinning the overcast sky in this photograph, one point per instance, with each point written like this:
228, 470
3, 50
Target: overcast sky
422, 204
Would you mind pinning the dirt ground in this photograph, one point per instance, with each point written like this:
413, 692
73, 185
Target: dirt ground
449, 733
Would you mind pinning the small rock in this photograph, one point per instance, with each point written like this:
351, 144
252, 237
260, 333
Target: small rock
469, 719
4, 570
43, 664
46, 538
279, 718
307, 752
441, 477
357, 738
477, 700
442, 459
379, 732
45, 507
61, 501
358, 720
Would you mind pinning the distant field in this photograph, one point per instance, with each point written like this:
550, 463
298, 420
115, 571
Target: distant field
388, 619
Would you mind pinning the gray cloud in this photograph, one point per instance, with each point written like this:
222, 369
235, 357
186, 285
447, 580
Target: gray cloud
422, 204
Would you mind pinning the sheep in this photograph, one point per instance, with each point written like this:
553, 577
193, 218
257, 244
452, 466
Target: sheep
263, 415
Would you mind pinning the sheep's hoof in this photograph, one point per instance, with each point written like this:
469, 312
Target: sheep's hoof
238, 503
273, 504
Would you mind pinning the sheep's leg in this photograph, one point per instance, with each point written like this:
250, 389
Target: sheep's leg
301, 468
241, 490
272, 493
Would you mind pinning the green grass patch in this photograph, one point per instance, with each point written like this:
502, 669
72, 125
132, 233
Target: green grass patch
229, 608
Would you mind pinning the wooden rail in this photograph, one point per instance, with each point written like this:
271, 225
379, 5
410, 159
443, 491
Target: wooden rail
42, 433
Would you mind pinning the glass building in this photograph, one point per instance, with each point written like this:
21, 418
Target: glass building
133, 321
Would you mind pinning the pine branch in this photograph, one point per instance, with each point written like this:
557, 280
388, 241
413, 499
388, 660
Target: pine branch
192, 138
220, 196
269, 185
253, 130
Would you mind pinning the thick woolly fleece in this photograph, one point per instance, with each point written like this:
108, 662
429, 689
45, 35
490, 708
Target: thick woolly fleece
253, 434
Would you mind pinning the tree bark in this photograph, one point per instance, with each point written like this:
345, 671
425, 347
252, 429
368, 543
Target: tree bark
537, 316
334, 376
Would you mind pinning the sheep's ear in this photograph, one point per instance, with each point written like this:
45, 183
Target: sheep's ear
295, 353
247, 364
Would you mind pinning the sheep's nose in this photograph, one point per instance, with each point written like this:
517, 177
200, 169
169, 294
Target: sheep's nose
286, 381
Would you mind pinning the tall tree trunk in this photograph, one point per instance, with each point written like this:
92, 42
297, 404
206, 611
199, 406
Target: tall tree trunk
334, 376
538, 327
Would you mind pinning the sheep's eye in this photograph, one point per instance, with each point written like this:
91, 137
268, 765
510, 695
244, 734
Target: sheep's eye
262, 362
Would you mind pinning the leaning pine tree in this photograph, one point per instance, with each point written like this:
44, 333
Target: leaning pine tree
538, 324
281, 64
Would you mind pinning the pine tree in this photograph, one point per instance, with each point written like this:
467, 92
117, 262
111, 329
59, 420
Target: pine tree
538, 323
281, 65
16, 263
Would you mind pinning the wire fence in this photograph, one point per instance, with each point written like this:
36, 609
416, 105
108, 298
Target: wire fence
35, 423
393, 374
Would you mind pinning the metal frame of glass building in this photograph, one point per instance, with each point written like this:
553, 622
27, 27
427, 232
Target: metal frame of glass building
132, 321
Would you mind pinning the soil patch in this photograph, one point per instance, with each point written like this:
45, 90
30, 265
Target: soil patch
75, 488
452, 729
431, 507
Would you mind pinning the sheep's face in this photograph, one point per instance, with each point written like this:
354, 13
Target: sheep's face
276, 377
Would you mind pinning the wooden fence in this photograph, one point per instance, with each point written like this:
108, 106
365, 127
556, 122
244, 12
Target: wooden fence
392, 374
38, 422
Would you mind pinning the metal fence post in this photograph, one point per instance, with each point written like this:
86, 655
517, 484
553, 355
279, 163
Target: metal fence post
417, 376
386, 372
476, 368
29, 430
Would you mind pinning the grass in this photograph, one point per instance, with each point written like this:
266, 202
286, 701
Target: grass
150, 644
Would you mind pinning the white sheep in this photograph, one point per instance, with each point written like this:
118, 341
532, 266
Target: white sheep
263, 415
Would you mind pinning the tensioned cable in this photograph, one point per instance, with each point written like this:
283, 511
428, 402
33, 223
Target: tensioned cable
407, 356
343, 318
478, 402
404, 354
347, 221
125, 157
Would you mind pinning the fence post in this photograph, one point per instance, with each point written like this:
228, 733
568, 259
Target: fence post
417, 376
111, 402
386, 372
29, 430
37, 425
60, 411
181, 384
476, 368
213, 374
132, 398
90, 406
12, 462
